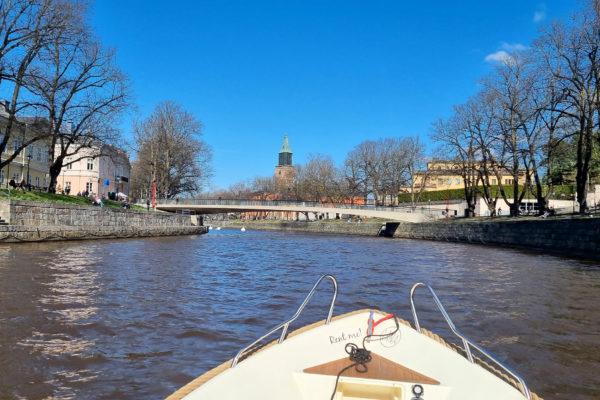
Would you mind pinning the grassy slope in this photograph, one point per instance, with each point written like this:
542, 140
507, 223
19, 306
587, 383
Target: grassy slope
57, 198
560, 192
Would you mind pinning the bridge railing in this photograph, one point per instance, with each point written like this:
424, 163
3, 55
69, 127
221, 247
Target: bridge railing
291, 203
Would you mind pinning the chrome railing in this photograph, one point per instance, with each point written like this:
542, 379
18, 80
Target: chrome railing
285, 325
467, 343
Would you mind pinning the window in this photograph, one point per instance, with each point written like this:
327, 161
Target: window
90, 164
1, 176
70, 166
508, 181
38, 156
89, 187
67, 185
494, 181
37, 181
16, 144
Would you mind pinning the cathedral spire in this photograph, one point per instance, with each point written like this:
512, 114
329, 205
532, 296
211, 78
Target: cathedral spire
285, 154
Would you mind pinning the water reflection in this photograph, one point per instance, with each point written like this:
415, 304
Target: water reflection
139, 318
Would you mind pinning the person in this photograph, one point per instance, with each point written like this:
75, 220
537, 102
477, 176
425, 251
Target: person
148, 204
97, 201
499, 211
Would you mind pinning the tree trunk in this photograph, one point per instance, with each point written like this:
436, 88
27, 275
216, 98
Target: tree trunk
54, 172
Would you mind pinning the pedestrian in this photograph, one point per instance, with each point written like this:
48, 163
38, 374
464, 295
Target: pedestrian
148, 204
499, 211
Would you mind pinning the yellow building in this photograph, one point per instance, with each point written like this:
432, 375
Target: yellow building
32, 163
445, 175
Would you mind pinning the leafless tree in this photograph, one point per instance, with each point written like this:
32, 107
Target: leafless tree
571, 54
317, 180
511, 91
460, 147
81, 94
26, 27
171, 153
411, 160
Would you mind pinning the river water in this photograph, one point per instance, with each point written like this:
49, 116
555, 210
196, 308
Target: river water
133, 319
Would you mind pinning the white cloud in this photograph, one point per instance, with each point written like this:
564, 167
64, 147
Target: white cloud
540, 13
503, 55
513, 47
500, 57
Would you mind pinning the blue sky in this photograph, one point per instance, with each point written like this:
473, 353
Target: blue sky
328, 73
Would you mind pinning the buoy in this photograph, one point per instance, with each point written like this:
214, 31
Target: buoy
243, 229
218, 228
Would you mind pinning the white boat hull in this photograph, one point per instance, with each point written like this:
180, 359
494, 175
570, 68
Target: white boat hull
293, 370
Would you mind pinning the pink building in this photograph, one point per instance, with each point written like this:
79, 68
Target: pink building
96, 170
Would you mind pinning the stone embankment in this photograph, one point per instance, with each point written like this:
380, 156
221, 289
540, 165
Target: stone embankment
36, 221
336, 227
569, 236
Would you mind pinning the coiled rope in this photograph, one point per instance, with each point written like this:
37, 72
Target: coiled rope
361, 356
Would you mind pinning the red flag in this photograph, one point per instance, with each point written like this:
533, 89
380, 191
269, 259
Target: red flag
153, 194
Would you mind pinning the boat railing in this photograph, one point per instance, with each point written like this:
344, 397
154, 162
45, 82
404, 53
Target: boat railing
285, 325
467, 343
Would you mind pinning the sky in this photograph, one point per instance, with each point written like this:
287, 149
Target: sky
330, 74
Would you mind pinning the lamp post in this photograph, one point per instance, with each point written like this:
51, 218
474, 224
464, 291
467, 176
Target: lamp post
29, 157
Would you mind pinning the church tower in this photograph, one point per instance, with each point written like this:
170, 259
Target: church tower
285, 171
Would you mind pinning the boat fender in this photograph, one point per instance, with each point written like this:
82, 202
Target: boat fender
375, 323
370, 323
418, 391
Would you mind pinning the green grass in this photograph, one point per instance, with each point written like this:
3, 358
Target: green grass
16, 194
560, 192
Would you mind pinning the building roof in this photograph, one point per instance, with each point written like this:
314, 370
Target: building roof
285, 145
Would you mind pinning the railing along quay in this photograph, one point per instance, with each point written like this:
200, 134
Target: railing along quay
290, 203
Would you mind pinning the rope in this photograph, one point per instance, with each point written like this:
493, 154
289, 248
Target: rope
361, 356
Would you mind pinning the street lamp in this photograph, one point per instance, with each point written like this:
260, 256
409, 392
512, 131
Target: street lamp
29, 157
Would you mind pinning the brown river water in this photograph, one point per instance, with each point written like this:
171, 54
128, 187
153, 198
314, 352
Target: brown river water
133, 319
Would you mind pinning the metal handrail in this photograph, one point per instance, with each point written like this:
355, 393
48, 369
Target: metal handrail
422, 209
285, 325
467, 343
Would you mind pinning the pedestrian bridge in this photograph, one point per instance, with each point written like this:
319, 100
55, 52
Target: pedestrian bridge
209, 206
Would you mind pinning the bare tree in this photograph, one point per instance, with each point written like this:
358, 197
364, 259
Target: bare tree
411, 160
571, 54
461, 148
171, 153
318, 179
81, 93
511, 91
26, 26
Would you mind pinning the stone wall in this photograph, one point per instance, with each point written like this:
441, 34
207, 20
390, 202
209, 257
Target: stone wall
36, 221
327, 226
569, 236
573, 236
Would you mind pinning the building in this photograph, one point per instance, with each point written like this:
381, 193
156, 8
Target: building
284, 170
32, 164
99, 170
445, 175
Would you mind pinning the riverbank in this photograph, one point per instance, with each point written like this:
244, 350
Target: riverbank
27, 221
336, 227
567, 236
38, 196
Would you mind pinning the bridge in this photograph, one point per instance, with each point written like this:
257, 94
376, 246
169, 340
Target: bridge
210, 206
